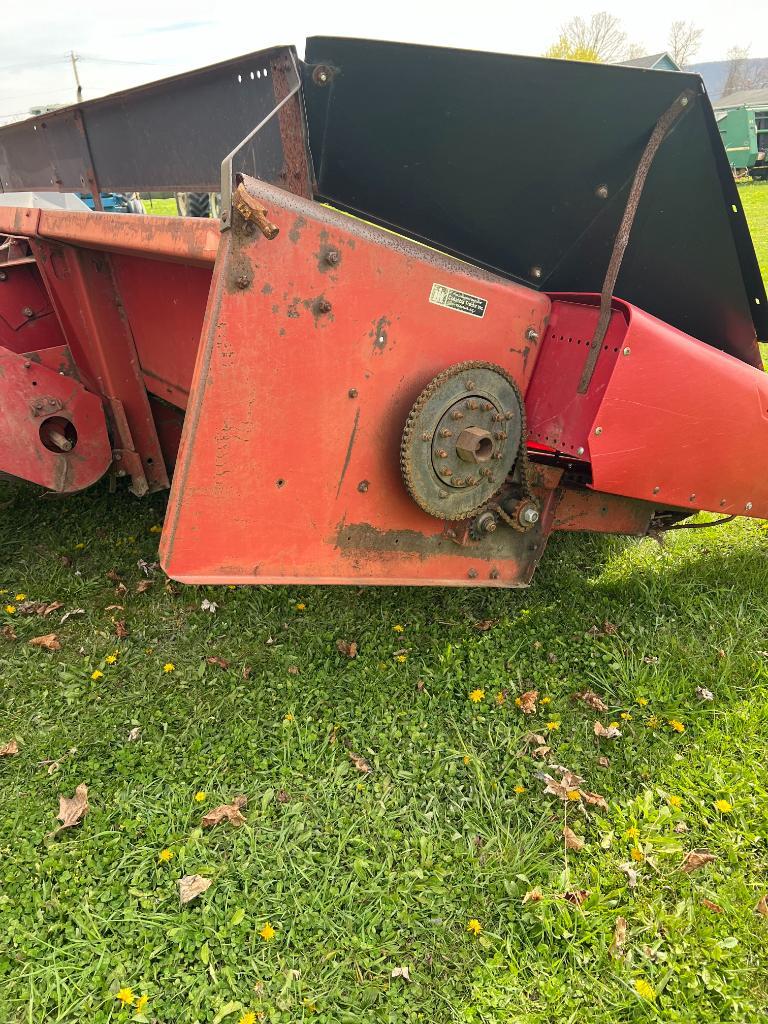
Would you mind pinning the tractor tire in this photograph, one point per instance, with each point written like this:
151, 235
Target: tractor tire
194, 204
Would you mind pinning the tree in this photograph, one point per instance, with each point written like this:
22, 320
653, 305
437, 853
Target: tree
684, 41
599, 39
744, 73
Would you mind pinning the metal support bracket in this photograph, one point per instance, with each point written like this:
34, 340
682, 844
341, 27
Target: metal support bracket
226, 164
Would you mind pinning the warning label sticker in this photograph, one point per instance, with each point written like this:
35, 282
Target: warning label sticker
463, 302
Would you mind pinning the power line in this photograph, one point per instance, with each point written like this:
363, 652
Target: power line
33, 64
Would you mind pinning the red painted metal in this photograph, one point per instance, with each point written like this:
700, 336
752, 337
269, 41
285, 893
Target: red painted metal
306, 372
27, 320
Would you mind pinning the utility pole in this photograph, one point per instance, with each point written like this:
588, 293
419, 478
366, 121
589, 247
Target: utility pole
73, 58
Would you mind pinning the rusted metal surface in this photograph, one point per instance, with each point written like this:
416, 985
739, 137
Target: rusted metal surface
27, 320
580, 510
296, 173
37, 405
679, 106
251, 210
347, 346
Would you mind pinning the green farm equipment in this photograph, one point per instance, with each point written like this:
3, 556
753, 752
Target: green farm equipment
742, 118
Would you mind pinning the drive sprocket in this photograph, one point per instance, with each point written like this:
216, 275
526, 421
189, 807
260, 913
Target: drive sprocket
461, 439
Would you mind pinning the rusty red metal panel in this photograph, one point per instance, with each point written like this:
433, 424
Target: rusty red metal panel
582, 510
39, 407
27, 320
314, 348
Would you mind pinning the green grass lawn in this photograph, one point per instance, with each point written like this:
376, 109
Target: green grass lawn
363, 874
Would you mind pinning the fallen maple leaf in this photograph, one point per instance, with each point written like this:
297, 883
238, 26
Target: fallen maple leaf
143, 586
569, 783
591, 699
572, 841
603, 762
762, 906
192, 886
121, 630
226, 812
347, 647
485, 624
595, 799
714, 907
9, 749
616, 948
72, 809
576, 896
533, 896
696, 859
527, 701
539, 753
359, 762
401, 972
221, 662
8, 632
610, 732
50, 642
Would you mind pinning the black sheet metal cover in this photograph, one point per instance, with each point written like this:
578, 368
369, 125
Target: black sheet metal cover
523, 165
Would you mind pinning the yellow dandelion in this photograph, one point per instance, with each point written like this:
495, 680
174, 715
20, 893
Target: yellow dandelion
723, 806
248, 1018
552, 726
675, 801
677, 726
652, 722
644, 989
359, 787
632, 833
288, 717
519, 788
4, 590
169, 667
125, 996
625, 716
518, 702
111, 659
614, 725
165, 855
20, 597
79, 547
545, 700
500, 697
642, 701
476, 696
399, 629
466, 759
474, 926
10, 609
401, 658
156, 528
637, 854
141, 1002
200, 795
267, 932
97, 674
573, 794
300, 607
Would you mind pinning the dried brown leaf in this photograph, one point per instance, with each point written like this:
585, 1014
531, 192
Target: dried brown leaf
603, 762
696, 859
401, 972
572, 841
9, 633
681, 826
762, 906
347, 647
121, 630
552, 658
226, 812
540, 753
527, 701
591, 699
576, 896
651, 659
121, 590
611, 732
282, 797
9, 749
359, 762
114, 576
72, 809
595, 799
134, 734
609, 629
192, 886
569, 783
293, 670
142, 587
49, 642
616, 948
68, 615
714, 907
53, 606
247, 671
483, 625
221, 662
533, 896
630, 871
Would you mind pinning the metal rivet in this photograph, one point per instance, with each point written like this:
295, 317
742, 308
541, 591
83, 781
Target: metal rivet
532, 334
442, 494
28, 312
445, 432
579, 451
425, 436
3, 275
363, 486
748, 506
332, 257
457, 415
472, 574
598, 431
324, 306
536, 273
470, 385
494, 574
243, 281
723, 502
626, 351
692, 497
656, 489
601, 191
352, 392
684, 101
442, 453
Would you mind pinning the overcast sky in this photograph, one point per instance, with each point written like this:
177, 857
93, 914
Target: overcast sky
122, 45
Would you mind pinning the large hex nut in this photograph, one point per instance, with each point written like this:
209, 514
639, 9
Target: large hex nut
474, 445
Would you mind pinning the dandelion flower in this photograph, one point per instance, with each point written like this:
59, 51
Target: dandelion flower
80, 546
476, 696
637, 854
519, 788
644, 989
10, 609
552, 726
545, 700
723, 806
288, 717
625, 716
156, 528
200, 796
466, 759
267, 932
675, 801
165, 855
474, 926
20, 597
301, 607
111, 659
632, 833
125, 995
614, 725
573, 794
652, 722
642, 701
677, 726
500, 697
401, 658
169, 667
248, 1018
399, 629
96, 674
141, 1002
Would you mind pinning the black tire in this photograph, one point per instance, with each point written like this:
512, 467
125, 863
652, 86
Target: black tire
198, 204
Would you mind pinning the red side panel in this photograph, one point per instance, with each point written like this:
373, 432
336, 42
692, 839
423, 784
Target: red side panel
289, 464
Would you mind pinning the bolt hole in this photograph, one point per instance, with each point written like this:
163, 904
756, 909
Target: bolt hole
58, 434
280, 483
150, 461
34, 383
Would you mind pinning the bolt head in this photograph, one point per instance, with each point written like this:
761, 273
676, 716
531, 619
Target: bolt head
441, 453
536, 273
748, 506
28, 312
472, 574
656, 489
324, 306
445, 432
579, 451
532, 334
530, 516
626, 351
352, 392
598, 431
332, 257
474, 444
601, 191
457, 415
470, 385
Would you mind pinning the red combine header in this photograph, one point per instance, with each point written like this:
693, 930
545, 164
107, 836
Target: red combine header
410, 350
